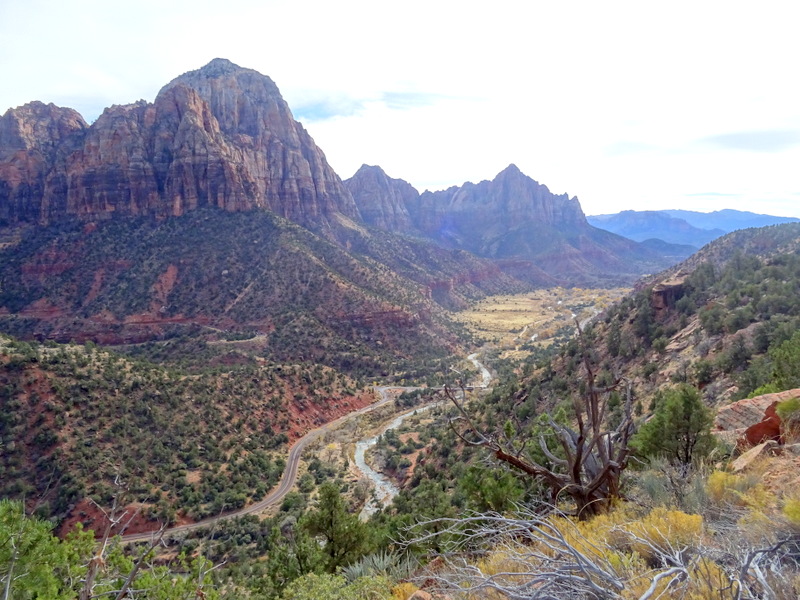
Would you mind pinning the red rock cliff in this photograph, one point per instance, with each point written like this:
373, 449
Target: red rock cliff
221, 135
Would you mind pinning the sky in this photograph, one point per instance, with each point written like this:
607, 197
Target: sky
626, 105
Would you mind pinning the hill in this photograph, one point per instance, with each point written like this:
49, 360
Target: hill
77, 419
712, 321
212, 276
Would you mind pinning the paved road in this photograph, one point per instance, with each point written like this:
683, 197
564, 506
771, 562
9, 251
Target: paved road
288, 479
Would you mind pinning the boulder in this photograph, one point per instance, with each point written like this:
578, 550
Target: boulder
769, 428
747, 459
753, 420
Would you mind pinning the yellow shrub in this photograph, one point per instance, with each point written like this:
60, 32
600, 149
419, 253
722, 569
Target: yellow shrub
663, 530
791, 510
509, 560
738, 490
706, 579
402, 591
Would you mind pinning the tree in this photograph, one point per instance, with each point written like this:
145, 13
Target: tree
680, 429
335, 587
593, 455
786, 364
292, 554
33, 562
36, 564
345, 536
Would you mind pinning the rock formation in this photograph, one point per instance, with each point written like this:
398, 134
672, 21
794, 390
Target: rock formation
531, 233
753, 420
35, 141
222, 136
382, 201
666, 293
219, 136
496, 218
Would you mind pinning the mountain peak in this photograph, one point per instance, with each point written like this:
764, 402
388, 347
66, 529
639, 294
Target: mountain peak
365, 168
219, 66
223, 70
197, 130
511, 169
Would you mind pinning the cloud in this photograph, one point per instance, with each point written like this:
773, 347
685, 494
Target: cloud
625, 148
322, 109
757, 141
318, 106
407, 100
715, 194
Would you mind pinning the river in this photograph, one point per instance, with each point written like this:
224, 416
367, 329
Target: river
384, 488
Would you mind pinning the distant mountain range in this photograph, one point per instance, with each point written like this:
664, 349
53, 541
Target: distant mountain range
686, 227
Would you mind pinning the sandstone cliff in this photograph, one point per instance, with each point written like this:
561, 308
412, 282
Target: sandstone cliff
531, 233
35, 141
219, 136
382, 201
497, 218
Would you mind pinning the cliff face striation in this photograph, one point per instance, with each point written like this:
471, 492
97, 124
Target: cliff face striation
383, 201
497, 218
531, 233
219, 136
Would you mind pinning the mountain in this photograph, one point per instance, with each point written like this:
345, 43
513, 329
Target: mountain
641, 225
530, 232
728, 220
219, 136
212, 274
382, 201
211, 212
684, 227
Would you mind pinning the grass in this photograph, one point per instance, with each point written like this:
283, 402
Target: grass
512, 320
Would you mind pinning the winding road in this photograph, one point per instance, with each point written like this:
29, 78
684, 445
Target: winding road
289, 477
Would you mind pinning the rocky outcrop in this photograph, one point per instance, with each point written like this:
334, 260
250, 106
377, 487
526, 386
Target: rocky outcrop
666, 293
219, 136
752, 421
753, 454
768, 428
381, 200
35, 141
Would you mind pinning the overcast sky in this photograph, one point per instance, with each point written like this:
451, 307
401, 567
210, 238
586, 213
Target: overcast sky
627, 105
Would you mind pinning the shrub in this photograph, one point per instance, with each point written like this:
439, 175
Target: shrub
791, 510
680, 429
789, 412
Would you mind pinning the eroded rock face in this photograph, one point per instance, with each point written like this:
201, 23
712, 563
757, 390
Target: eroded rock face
381, 200
667, 293
219, 136
499, 218
752, 421
35, 141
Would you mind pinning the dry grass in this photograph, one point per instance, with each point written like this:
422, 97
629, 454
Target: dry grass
511, 321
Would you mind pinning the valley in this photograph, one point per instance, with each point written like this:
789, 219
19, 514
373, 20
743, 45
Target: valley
204, 326
518, 323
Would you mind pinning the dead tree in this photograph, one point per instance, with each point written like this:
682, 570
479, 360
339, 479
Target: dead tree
530, 557
594, 456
